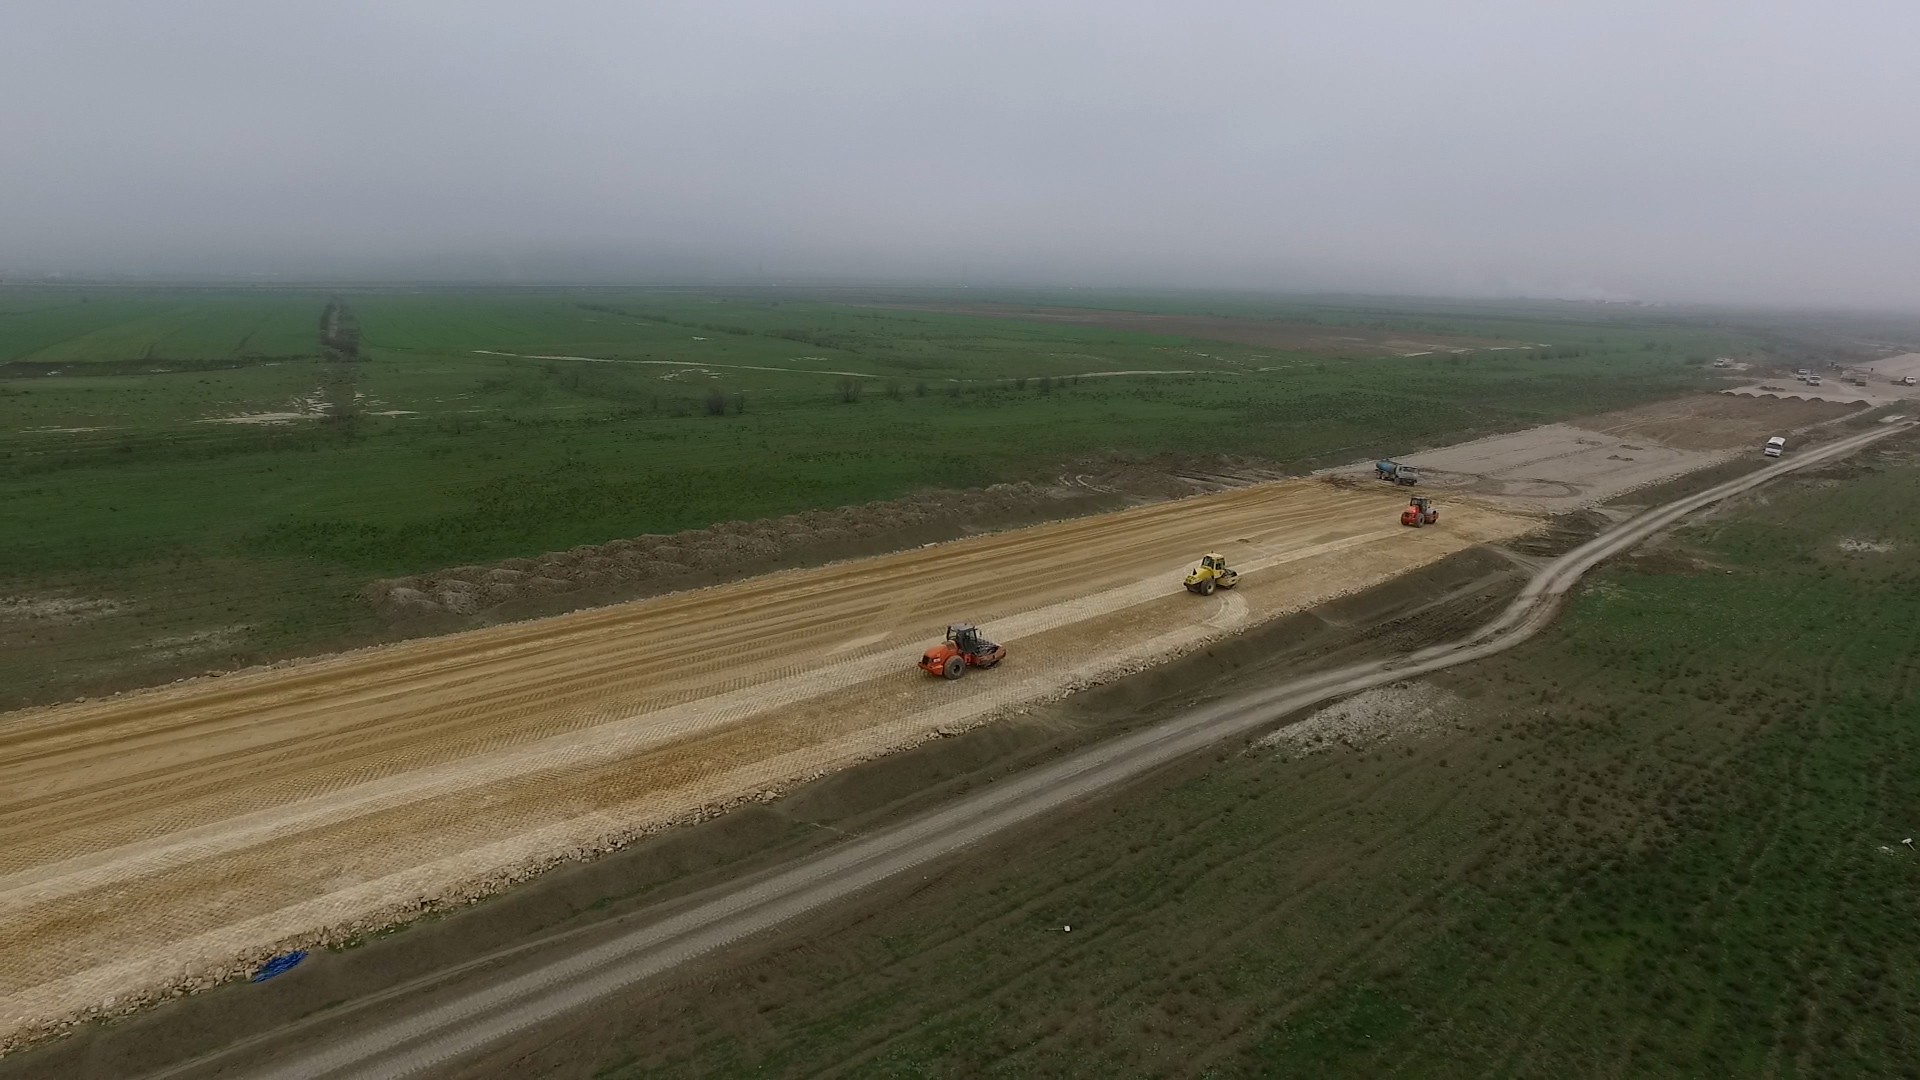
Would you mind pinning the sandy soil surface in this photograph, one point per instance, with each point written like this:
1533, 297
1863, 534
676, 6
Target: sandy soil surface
1267, 333
1563, 467
171, 837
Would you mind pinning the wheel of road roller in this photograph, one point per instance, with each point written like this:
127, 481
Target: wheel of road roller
956, 667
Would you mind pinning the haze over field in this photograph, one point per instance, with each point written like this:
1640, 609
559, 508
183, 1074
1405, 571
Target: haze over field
1716, 150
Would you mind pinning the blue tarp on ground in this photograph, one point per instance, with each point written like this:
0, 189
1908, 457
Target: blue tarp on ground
279, 965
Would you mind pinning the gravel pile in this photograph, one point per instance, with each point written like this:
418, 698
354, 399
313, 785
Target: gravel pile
1367, 719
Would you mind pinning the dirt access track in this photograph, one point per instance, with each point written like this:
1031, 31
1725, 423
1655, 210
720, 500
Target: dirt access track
170, 838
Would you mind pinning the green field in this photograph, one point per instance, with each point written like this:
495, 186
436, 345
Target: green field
212, 542
1663, 839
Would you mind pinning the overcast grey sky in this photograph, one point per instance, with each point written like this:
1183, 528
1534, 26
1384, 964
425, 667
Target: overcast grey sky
1685, 149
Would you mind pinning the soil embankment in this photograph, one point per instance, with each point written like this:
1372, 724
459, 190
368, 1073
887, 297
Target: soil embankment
169, 838
576, 902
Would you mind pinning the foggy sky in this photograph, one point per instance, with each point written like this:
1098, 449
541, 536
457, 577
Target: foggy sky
1719, 150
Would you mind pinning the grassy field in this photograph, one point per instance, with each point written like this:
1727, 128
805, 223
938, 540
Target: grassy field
213, 489
1662, 839
48, 327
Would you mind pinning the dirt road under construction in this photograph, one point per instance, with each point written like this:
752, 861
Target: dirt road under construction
170, 838
391, 1041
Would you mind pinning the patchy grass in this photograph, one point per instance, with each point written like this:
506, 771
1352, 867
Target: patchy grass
1662, 839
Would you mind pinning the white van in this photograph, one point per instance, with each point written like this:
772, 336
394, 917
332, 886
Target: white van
1813, 380
1776, 445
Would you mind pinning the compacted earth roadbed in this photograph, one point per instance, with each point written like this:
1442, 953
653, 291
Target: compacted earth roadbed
174, 837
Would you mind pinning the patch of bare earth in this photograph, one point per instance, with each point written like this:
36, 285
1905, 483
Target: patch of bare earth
1369, 718
56, 609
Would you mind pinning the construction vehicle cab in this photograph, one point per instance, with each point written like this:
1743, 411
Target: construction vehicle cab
964, 648
1211, 573
1420, 511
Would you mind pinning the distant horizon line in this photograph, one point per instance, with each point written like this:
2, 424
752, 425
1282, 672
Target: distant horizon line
264, 282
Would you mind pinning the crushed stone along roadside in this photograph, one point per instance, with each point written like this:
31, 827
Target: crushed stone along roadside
1367, 718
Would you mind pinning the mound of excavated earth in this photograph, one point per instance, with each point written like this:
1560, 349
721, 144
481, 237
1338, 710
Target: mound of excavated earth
172, 837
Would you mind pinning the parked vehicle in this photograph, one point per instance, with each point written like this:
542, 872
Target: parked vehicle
1405, 475
1776, 446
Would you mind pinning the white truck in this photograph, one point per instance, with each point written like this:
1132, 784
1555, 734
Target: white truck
1813, 380
1776, 446
1908, 380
